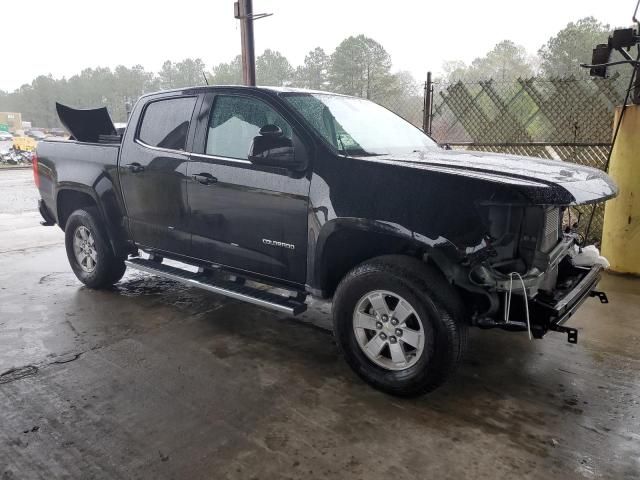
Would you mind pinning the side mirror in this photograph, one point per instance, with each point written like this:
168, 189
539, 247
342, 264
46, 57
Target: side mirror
272, 149
270, 130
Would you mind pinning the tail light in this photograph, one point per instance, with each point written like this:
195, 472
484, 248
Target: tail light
34, 164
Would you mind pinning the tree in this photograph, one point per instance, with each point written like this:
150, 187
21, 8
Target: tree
313, 73
273, 69
454, 70
33, 99
505, 61
90, 88
571, 46
129, 85
186, 73
228, 73
404, 97
167, 74
360, 66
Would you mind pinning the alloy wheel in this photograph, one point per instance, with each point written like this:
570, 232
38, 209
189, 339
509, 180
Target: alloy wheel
84, 248
388, 330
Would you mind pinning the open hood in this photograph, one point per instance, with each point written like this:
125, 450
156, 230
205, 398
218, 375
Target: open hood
86, 125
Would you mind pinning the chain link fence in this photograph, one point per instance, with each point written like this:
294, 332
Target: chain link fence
567, 110
566, 118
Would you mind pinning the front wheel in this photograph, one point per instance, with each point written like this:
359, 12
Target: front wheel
89, 251
399, 324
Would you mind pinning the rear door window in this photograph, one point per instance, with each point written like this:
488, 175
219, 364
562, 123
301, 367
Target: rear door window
165, 123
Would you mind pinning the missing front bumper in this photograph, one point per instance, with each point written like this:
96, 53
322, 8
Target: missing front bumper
551, 312
572, 333
559, 308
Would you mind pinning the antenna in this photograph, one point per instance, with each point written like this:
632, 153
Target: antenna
207, 81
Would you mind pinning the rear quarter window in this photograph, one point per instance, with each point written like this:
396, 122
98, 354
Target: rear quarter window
165, 123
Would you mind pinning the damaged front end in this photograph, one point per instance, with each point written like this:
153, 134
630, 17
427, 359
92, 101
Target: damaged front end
503, 235
532, 273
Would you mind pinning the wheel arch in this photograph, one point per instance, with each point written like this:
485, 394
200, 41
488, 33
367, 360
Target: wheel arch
72, 197
345, 243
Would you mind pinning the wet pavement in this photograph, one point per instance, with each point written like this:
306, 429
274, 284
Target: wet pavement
155, 380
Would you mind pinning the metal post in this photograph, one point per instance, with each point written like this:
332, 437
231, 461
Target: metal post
428, 103
244, 12
424, 108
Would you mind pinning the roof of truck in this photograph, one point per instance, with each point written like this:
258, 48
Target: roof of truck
203, 88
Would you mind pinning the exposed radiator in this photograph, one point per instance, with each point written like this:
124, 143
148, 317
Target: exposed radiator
552, 230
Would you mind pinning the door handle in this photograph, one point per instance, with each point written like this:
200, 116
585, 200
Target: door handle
135, 167
205, 178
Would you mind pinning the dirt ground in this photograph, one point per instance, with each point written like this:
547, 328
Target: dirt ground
154, 380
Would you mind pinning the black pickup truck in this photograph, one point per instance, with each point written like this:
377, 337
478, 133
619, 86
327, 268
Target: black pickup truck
275, 194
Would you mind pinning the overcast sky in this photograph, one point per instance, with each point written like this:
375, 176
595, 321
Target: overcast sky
62, 37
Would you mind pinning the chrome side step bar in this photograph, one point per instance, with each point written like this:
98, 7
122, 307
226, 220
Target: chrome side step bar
263, 298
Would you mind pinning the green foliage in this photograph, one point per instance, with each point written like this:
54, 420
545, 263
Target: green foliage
313, 73
273, 69
360, 66
572, 45
186, 73
90, 88
404, 97
228, 73
560, 56
506, 61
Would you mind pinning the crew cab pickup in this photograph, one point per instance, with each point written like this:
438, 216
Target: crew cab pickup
275, 194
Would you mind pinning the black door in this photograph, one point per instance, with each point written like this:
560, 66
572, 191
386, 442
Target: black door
153, 170
245, 216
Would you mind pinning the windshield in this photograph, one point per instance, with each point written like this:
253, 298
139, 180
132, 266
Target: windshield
355, 126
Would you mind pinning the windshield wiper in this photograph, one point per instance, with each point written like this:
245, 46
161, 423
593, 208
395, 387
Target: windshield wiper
356, 152
361, 153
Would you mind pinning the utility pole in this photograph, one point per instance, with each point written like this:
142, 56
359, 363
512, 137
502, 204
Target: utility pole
243, 11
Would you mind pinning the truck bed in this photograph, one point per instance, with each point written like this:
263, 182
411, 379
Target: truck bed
69, 161
91, 169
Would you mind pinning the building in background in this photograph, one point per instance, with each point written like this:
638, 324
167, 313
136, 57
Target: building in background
10, 121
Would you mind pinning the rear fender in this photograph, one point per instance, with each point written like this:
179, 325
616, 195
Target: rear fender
104, 200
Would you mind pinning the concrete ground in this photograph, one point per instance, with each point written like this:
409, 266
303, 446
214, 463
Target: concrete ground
154, 380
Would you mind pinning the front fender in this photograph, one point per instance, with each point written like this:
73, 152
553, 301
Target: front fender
359, 239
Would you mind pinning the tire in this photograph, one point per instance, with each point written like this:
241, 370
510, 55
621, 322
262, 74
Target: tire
437, 313
103, 268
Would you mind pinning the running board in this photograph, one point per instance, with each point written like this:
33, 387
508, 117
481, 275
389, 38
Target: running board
263, 298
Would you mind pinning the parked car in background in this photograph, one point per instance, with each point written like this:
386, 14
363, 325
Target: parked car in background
5, 136
37, 135
331, 196
58, 132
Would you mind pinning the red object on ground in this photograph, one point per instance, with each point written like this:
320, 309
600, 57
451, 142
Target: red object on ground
34, 163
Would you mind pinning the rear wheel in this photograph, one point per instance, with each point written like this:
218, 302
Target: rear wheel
399, 324
89, 251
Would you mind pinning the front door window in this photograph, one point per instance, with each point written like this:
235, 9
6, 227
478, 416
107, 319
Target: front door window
235, 121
